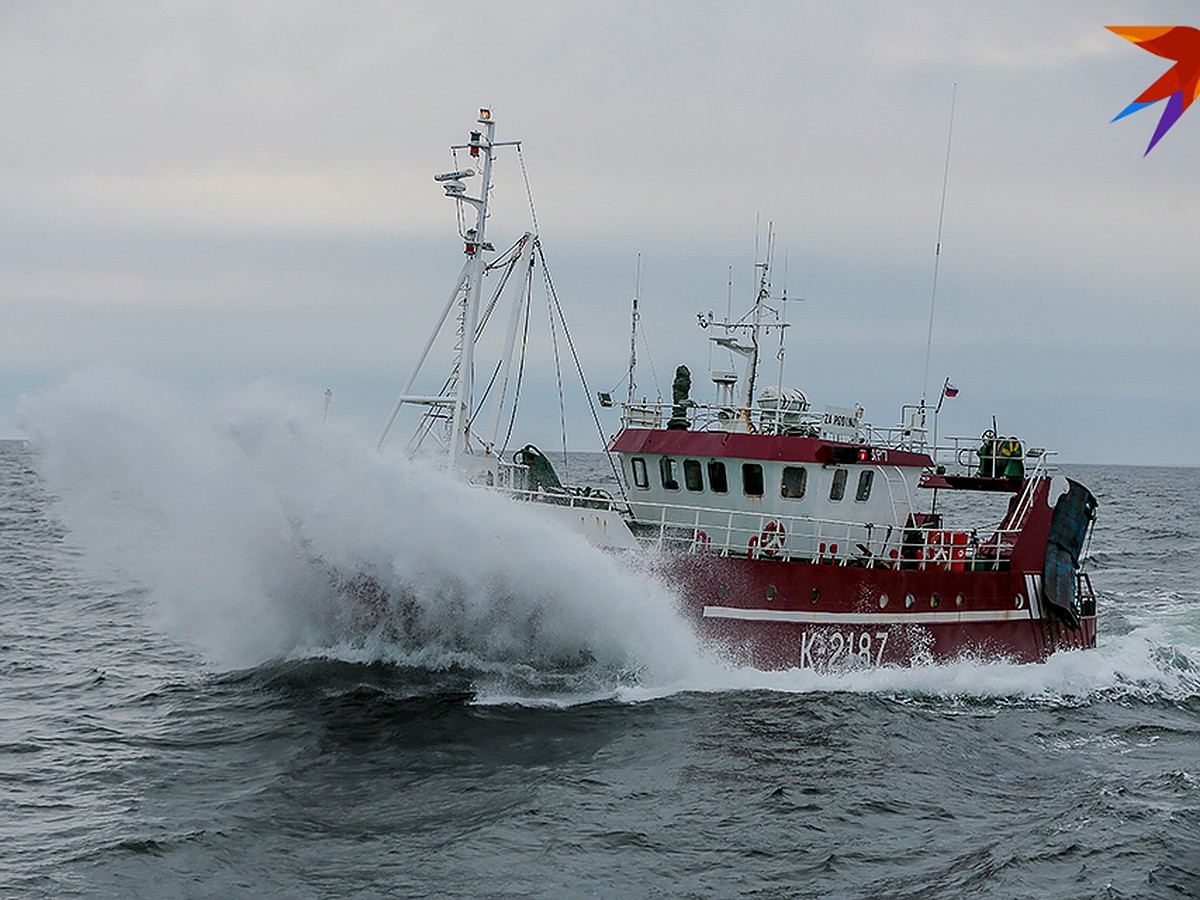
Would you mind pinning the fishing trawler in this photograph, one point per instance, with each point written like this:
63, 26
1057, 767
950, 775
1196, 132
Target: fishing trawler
795, 536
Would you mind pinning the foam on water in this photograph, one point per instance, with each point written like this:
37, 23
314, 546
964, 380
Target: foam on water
1137, 665
243, 517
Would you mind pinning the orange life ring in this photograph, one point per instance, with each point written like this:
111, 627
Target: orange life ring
771, 541
702, 542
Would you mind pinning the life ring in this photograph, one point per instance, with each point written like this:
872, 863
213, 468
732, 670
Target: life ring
770, 542
702, 542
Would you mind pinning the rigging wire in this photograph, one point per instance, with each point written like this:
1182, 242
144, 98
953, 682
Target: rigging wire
512, 419
582, 378
562, 403
508, 261
528, 191
556, 306
937, 253
650, 359
483, 399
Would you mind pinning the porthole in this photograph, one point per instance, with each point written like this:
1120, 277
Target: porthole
837, 488
934, 600
794, 482
666, 471
815, 595
909, 600
640, 478
717, 481
883, 600
1020, 601
864, 485
752, 479
771, 592
958, 601
723, 590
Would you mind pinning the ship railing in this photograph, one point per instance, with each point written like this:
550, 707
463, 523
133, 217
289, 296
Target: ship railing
763, 535
511, 476
737, 533
912, 434
960, 455
1029, 491
715, 417
898, 437
514, 480
644, 415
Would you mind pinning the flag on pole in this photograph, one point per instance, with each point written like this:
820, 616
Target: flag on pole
950, 390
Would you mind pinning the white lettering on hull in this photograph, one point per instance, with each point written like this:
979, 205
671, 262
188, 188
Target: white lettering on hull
819, 650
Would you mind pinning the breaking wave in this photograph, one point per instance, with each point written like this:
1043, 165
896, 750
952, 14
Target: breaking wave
262, 534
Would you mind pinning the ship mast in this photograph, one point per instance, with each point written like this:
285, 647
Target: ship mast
475, 242
633, 327
454, 403
764, 292
760, 319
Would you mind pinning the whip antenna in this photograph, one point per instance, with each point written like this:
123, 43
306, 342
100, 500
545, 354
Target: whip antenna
937, 253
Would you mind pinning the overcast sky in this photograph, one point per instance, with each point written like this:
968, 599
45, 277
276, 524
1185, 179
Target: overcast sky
213, 193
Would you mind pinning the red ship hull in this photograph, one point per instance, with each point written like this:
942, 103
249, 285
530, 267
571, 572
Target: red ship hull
783, 614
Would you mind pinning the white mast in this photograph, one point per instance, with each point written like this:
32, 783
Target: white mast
454, 404
475, 243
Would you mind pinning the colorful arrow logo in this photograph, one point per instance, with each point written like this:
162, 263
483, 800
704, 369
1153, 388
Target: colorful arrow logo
1178, 86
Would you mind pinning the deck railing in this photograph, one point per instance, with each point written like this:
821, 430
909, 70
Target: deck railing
725, 532
737, 533
915, 544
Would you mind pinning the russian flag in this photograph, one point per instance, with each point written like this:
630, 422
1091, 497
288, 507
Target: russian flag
950, 390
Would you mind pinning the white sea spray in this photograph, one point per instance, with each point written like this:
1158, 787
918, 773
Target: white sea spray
245, 517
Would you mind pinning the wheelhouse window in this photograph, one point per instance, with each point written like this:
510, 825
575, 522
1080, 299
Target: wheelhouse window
752, 479
666, 470
717, 482
640, 478
865, 478
794, 482
693, 476
837, 490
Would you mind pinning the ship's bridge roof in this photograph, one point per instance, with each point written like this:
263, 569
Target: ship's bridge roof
777, 448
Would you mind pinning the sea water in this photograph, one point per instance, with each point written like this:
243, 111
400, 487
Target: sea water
193, 703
